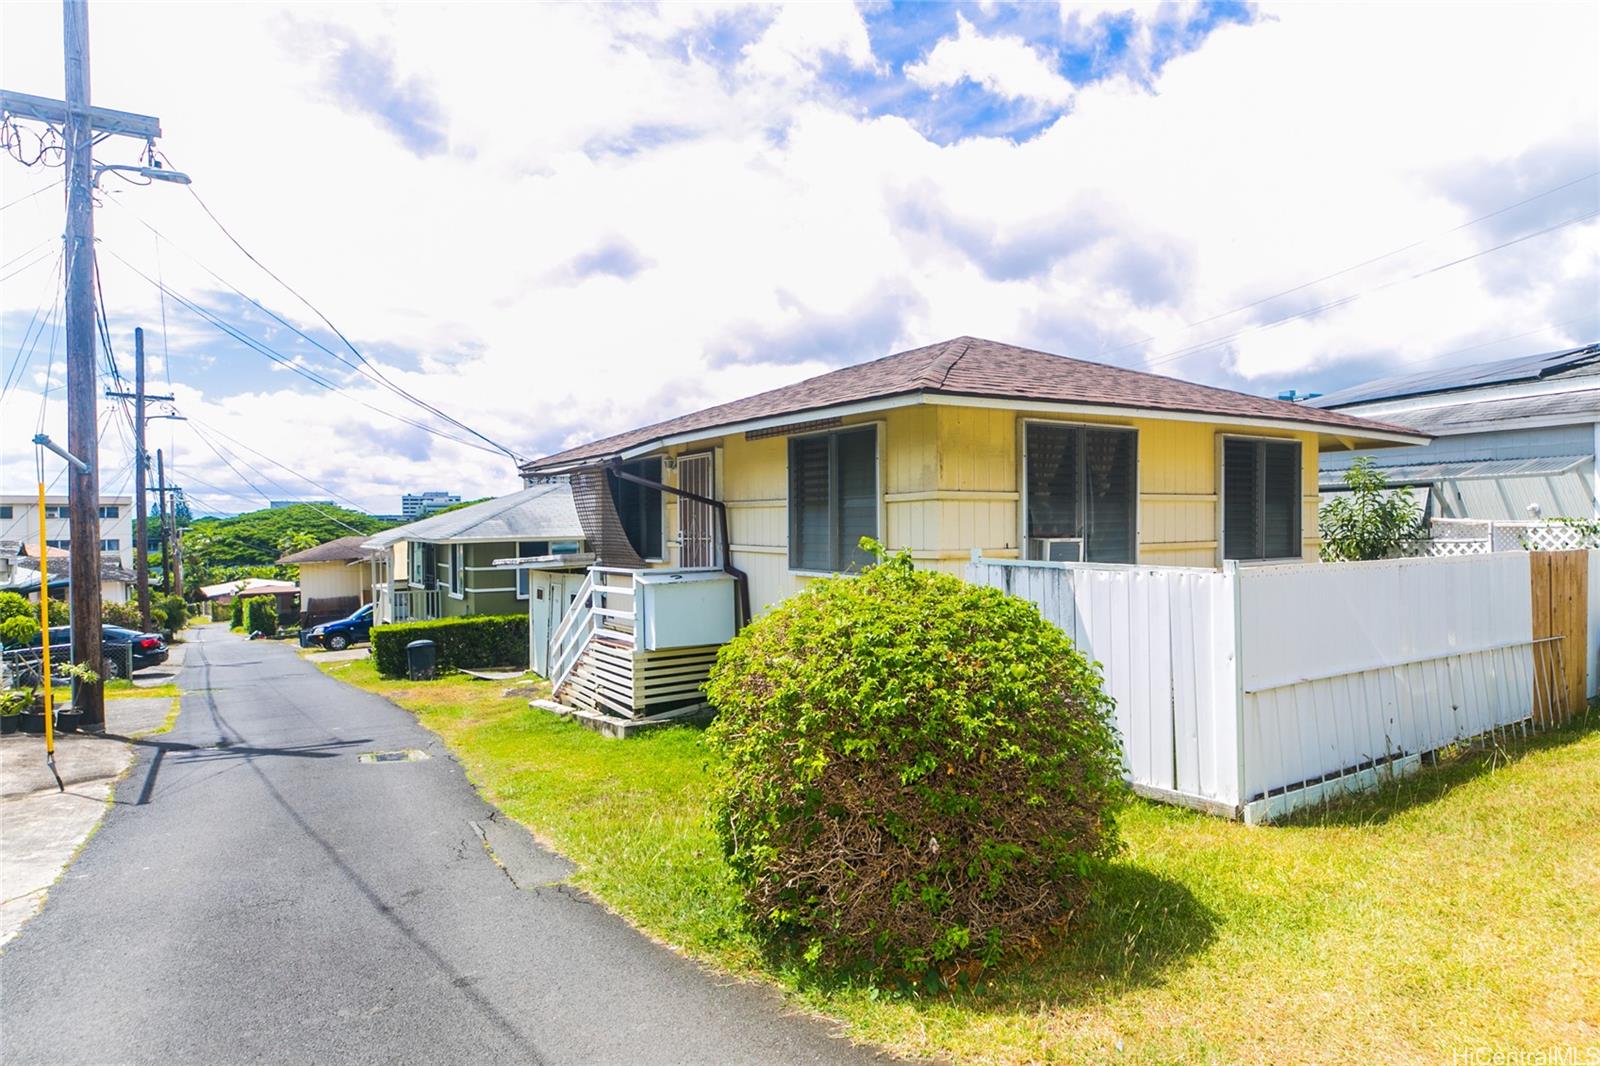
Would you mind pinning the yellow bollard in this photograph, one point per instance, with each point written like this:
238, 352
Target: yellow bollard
44, 645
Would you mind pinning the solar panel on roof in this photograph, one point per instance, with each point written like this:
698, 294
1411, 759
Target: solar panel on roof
1499, 372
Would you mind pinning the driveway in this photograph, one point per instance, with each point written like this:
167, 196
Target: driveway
259, 893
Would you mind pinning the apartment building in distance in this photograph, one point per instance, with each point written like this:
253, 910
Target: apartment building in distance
414, 505
19, 521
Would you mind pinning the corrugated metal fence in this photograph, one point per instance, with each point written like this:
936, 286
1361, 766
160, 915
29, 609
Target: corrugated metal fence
1252, 689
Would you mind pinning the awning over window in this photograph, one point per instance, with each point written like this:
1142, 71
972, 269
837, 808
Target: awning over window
1473, 470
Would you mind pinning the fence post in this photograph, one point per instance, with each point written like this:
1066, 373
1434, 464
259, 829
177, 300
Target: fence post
1230, 574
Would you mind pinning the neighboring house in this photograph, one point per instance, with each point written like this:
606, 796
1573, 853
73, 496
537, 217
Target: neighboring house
335, 578
285, 594
19, 572
939, 451
444, 566
1513, 440
19, 520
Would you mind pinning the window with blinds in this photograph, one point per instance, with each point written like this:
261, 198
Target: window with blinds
1082, 494
833, 499
1260, 499
639, 508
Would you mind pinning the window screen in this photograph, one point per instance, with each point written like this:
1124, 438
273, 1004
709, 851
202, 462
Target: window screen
833, 499
1260, 499
639, 507
1081, 483
529, 549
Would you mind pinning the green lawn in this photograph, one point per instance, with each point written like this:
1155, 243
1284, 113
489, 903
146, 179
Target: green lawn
1456, 910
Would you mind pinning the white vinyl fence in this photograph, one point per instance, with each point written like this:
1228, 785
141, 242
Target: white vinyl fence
1254, 689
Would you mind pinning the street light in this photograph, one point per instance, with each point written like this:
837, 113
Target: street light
155, 172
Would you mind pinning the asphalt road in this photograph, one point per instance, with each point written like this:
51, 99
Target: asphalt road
259, 894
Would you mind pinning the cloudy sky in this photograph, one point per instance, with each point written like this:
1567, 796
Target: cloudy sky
558, 222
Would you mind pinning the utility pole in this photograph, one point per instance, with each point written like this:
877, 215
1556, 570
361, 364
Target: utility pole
83, 487
161, 492
141, 462
80, 124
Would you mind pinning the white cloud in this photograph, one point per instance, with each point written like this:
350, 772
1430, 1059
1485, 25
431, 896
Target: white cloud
1258, 162
803, 35
1005, 65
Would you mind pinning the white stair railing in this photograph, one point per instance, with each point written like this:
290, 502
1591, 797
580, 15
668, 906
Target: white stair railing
594, 612
572, 634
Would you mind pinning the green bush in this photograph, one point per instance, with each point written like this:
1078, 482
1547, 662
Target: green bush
490, 640
1369, 520
236, 619
124, 614
177, 611
16, 605
261, 615
18, 631
916, 774
60, 614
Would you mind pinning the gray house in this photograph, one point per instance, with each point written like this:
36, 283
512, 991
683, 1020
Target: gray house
1513, 440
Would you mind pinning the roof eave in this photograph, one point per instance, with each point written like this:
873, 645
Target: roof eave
1371, 433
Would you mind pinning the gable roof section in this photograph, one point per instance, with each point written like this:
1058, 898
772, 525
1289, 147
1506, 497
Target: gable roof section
542, 512
341, 550
971, 366
1570, 362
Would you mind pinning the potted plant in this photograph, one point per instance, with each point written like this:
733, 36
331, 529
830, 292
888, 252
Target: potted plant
69, 718
12, 702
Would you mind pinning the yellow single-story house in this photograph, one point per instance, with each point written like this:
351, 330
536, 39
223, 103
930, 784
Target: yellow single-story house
967, 444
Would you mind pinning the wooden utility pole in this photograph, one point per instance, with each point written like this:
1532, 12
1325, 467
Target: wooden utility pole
83, 487
80, 125
141, 463
141, 558
161, 493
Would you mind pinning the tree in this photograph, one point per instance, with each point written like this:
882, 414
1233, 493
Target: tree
1371, 520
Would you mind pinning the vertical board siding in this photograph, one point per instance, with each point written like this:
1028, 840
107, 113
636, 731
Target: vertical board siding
1163, 637
1249, 682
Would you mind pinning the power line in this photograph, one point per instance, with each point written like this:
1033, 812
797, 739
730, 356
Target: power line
316, 485
1353, 297
363, 367
339, 333
218, 452
1357, 266
288, 362
20, 363
31, 195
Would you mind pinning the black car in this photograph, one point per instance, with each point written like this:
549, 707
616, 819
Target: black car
148, 649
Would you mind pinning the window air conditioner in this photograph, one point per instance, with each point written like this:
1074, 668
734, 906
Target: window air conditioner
1056, 549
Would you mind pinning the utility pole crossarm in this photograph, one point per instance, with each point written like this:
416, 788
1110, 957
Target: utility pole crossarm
58, 112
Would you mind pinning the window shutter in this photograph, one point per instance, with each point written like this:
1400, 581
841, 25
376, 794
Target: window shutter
1239, 500
1052, 480
856, 467
809, 547
1109, 477
1280, 490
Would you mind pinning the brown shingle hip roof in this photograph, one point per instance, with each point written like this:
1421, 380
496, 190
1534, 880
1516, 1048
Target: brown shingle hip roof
971, 366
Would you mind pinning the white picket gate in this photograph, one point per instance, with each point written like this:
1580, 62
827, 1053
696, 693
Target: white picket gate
1254, 689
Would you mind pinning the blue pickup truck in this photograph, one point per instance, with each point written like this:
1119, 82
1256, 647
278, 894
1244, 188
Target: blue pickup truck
337, 636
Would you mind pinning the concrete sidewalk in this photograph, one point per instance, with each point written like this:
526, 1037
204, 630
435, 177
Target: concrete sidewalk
41, 827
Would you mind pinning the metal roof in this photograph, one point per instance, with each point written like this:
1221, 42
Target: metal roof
543, 512
1449, 379
1582, 405
1476, 470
